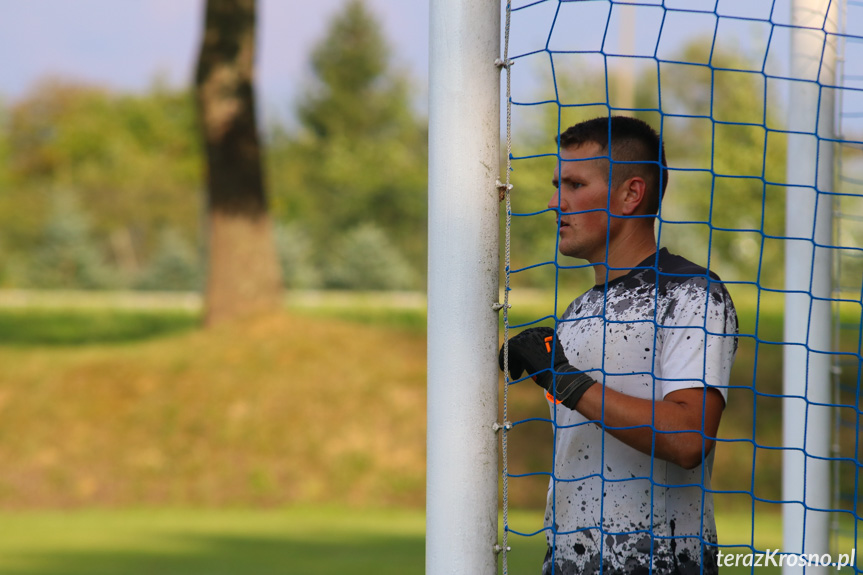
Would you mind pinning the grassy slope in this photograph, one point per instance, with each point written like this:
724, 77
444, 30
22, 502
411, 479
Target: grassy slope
300, 407
275, 411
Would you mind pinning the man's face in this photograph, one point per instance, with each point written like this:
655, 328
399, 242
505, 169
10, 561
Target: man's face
581, 199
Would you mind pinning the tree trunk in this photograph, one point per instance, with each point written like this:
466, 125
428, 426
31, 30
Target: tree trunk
243, 276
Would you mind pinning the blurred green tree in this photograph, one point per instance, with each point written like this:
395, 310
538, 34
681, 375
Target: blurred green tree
244, 275
724, 139
359, 153
132, 161
4, 146
364, 258
176, 265
297, 255
66, 257
5, 182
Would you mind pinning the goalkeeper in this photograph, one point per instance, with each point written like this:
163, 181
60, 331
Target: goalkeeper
636, 372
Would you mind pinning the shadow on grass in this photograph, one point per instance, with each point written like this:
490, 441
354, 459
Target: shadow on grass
38, 327
236, 555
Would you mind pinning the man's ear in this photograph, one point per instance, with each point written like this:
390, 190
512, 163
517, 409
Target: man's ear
633, 196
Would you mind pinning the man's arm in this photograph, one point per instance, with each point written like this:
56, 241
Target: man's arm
655, 426
681, 428
698, 344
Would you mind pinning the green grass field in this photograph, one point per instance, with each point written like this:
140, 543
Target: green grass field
79, 328
321, 540
298, 541
303, 541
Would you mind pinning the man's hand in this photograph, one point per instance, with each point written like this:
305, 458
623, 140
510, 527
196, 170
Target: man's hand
533, 350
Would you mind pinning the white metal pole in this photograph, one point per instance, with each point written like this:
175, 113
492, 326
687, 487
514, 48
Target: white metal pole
464, 142
806, 372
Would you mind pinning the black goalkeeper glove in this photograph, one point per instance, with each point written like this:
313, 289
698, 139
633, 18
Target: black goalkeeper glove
531, 351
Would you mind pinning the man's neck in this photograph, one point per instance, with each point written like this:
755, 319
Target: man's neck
623, 255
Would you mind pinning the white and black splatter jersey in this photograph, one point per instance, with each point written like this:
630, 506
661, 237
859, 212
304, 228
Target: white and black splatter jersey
613, 509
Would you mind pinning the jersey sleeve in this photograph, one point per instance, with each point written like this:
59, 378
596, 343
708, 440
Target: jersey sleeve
699, 337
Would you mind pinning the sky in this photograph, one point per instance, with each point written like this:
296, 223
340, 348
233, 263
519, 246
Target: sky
126, 44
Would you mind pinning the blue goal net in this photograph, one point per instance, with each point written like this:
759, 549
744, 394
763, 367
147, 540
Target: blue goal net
759, 104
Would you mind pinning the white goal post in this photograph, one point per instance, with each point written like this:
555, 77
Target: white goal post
807, 411
464, 136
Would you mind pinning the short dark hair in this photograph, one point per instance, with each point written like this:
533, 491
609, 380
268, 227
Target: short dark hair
632, 140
